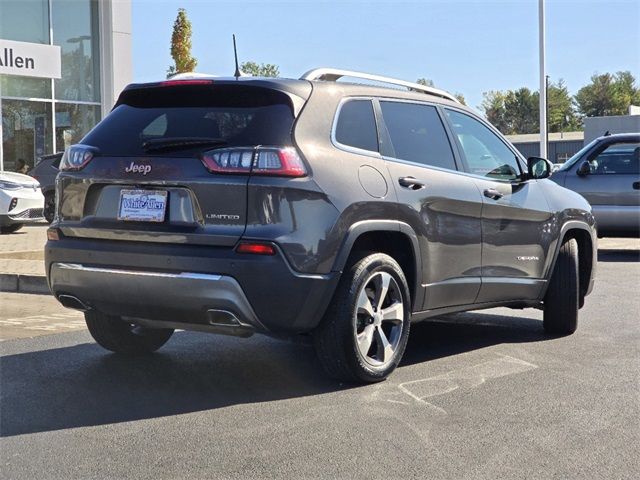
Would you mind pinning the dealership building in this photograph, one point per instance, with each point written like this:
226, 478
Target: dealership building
62, 65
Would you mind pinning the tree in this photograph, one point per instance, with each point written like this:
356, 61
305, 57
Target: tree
460, 98
425, 81
181, 45
512, 111
521, 111
607, 94
262, 70
493, 107
562, 116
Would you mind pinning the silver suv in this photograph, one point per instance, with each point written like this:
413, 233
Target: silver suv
607, 173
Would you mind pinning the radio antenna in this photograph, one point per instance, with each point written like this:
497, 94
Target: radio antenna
235, 53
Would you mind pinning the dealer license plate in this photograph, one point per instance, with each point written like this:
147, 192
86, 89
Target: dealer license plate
142, 205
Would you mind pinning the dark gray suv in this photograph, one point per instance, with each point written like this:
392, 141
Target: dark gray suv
335, 210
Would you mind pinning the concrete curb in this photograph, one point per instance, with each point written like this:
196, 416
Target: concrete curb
18, 283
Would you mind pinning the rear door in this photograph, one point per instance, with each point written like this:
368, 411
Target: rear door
442, 205
515, 214
151, 148
612, 186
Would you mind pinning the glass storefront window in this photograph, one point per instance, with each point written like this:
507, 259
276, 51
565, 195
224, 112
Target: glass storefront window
25, 87
36, 30
76, 32
73, 122
40, 113
26, 133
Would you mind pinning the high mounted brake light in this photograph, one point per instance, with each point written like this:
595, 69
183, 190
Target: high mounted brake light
76, 157
273, 161
173, 83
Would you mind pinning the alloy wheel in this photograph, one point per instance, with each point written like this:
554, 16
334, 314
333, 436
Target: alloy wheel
378, 319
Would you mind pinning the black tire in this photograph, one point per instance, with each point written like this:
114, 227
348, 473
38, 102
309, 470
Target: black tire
49, 206
114, 334
562, 300
335, 339
11, 228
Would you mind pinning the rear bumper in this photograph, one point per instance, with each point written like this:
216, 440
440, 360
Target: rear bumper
206, 300
190, 287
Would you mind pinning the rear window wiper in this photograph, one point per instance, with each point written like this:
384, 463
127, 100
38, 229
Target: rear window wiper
170, 143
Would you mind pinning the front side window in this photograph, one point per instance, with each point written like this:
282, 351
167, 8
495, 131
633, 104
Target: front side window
417, 134
619, 158
485, 153
356, 125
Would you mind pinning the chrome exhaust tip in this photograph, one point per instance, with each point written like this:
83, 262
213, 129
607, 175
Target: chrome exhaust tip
70, 301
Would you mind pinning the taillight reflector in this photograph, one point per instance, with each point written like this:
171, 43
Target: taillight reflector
256, 248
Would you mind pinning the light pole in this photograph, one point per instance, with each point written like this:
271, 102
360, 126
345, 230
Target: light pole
543, 81
546, 111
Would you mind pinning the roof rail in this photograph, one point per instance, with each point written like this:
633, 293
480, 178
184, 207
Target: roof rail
333, 74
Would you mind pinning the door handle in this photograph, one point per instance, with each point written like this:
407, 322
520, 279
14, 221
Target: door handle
411, 183
493, 194
636, 185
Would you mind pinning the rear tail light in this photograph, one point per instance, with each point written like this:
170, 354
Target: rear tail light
256, 248
53, 235
276, 161
76, 157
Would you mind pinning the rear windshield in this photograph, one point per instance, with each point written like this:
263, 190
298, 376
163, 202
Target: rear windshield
236, 115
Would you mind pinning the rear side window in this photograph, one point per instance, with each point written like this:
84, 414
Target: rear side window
417, 134
235, 115
356, 125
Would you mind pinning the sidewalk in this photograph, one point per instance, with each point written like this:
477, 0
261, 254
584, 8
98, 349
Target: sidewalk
22, 260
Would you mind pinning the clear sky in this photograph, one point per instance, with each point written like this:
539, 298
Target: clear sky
463, 46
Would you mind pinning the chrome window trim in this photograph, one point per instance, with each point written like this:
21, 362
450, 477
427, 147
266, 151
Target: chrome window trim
417, 164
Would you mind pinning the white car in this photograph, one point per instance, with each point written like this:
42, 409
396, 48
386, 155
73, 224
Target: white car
21, 201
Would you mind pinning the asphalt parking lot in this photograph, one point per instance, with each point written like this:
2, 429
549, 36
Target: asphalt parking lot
479, 395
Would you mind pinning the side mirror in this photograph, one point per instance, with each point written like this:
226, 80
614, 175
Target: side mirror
539, 167
584, 169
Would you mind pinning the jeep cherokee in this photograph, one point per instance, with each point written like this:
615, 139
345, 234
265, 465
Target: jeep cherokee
337, 210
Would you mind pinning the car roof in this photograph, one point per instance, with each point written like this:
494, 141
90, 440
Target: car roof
617, 137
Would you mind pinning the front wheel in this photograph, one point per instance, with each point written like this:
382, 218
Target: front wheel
11, 228
364, 332
562, 300
115, 334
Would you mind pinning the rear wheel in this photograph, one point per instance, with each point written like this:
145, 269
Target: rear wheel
11, 228
49, 206
562, 300
365, 330
115, 334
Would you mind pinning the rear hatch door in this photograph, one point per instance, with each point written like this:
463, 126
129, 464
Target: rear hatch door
146, 180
